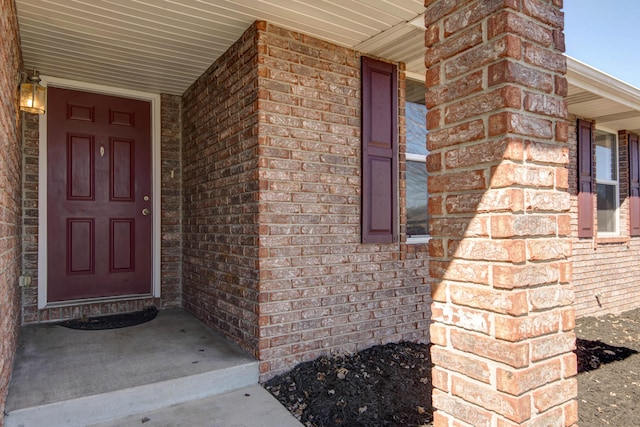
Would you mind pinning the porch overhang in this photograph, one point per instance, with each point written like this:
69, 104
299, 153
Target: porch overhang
595, 95
163, 46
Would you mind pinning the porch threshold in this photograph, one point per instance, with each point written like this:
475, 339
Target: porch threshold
76, 378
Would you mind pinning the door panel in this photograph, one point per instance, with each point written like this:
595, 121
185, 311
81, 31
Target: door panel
80, 167
121, 241
122, 170
81, 241
98, 177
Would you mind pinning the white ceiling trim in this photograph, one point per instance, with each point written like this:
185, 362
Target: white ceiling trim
415, 76
595, 81
418, 22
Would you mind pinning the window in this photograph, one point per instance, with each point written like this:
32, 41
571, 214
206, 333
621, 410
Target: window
607, 186
416, 169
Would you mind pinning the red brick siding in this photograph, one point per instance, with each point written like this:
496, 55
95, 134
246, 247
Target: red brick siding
171, 201
220, 194
605, 271
321, 290
10, 193
502, 315
272, 252
170, 225
30, 153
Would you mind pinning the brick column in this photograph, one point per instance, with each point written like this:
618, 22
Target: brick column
503, 320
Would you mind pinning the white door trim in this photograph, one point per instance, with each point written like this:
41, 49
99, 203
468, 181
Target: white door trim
154, 99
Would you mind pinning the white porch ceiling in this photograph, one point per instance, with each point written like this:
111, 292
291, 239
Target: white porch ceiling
164, 45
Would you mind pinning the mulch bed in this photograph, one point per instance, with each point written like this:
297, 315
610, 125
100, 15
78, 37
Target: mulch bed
382, 386
391, 385
608, 351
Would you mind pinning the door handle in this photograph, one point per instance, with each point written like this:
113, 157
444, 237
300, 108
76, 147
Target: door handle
145, 211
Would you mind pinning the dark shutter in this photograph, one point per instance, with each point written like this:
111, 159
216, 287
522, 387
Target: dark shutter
379, 151
585, 180
634, 185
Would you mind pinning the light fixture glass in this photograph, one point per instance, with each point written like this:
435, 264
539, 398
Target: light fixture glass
33, 95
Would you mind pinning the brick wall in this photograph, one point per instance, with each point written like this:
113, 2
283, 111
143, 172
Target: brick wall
502, 318
220, 194
605, 271
171, 201
170, 224
30, 156
10, 192
321, 290
272, 250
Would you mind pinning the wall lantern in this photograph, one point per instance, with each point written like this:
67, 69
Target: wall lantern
32, 94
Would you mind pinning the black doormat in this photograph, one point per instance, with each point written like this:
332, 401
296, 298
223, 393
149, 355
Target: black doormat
112, 321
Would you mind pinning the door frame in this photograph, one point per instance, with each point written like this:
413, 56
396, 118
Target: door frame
155, 131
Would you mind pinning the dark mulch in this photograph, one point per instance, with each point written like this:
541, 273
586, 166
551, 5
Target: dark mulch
391, 385
608, 351
382, 386
111, 321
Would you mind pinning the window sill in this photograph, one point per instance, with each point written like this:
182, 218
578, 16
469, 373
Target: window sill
613, 240
418, 240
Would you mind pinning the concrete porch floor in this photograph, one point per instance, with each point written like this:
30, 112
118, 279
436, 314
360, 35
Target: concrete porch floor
72, 377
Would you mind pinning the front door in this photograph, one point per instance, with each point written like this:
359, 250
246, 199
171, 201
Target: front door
98, 196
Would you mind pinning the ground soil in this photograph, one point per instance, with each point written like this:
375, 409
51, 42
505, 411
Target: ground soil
382, 386
391, 385
608, 351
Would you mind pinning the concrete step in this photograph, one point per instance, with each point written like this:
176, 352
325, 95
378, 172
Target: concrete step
65, 377
251, 406
87, 410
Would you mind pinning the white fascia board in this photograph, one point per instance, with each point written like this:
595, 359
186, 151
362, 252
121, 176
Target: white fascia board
602, 84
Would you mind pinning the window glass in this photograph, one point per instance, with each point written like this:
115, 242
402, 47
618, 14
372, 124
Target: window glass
416, 128
416, 185
606, 208
416, 199
607, 182
606, 156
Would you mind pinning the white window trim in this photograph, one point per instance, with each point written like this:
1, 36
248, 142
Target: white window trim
418, 239
411, 157
154, 99
616, 183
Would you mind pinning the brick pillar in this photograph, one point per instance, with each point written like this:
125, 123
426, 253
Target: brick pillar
503, 320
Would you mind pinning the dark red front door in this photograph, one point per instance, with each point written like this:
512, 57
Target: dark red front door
98, 196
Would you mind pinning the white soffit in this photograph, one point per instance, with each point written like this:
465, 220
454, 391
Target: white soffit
164, 45
598, 96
